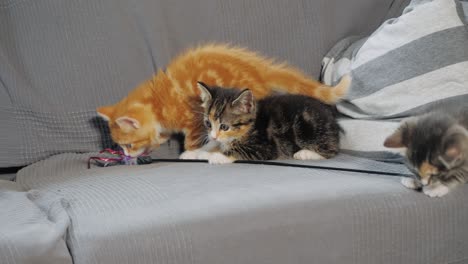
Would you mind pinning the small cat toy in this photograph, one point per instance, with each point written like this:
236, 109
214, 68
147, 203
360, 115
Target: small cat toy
117, 157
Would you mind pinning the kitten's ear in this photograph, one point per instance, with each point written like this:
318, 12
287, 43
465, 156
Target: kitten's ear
454, 144
105, 112
451, 155
244, 103
127, 123
395, 140
453, 152
399, 138
205, 93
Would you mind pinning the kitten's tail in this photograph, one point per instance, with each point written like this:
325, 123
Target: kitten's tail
299, 84
335, 93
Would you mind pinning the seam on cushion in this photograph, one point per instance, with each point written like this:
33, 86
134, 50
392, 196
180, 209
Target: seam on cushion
54, 207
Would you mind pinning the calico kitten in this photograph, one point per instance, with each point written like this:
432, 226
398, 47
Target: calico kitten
164, 104
436, 149
280, 126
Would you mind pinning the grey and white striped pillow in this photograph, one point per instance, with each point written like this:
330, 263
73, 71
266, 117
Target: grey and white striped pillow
408, 66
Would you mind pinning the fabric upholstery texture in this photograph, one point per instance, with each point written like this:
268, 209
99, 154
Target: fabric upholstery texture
208, 214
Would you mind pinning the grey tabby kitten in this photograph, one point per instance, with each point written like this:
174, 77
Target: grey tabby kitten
436, 149
280, 126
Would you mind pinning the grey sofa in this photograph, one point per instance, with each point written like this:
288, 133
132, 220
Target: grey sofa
59, 60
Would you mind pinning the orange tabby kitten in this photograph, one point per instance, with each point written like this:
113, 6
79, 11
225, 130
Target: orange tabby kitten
169, 102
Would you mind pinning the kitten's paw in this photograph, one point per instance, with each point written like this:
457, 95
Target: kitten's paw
410, 183
306, 154
219, 158
204, 155
436, 191
190, 154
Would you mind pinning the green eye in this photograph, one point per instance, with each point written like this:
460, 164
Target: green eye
208, 123
224, 127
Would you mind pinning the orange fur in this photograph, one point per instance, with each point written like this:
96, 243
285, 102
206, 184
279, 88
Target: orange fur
166, 103
426, 170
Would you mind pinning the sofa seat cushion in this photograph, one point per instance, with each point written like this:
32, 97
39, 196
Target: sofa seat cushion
205, 214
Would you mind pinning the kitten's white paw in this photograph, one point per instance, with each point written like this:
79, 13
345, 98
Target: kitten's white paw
219, 158
436, 191
190, 154
204, 155
410, 183
306, 154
